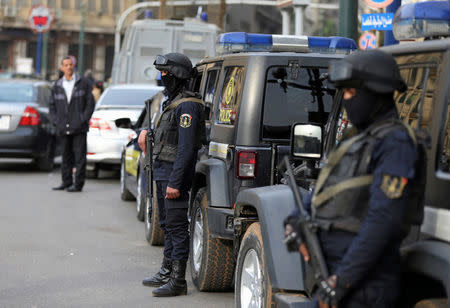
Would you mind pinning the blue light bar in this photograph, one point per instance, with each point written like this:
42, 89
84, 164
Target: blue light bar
244, 42
422, 20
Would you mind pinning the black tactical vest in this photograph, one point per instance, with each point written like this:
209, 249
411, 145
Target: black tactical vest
341, 196
166, 131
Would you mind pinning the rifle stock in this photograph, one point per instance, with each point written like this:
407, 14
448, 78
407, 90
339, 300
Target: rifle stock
308, 231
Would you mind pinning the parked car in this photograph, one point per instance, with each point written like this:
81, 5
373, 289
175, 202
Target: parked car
25, 129
105, 140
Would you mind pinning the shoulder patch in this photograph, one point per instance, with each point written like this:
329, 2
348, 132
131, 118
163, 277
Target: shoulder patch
185, 120
393, 186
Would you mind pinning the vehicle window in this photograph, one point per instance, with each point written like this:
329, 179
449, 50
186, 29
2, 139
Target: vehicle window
342, 126
230, 96
210, 91
294, 94
444, 146
420, 72
116, 97
44, 96
13, 93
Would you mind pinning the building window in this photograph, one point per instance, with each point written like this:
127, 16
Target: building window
104, 5
51, 4
22, 3
92, 5
65, 4
116, 6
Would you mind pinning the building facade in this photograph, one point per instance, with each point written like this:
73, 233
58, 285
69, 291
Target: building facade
17, 40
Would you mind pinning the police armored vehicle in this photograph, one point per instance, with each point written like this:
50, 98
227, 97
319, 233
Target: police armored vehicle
147, 38
267, 276
254, 91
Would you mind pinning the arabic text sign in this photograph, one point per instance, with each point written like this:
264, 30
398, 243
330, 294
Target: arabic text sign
381, 21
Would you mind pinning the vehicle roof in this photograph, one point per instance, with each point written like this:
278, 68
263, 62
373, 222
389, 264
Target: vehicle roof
34, 82
135, 86
418, 47
252, 55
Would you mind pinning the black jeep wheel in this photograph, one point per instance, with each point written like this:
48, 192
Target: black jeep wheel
252, 288
153, 231
211, 259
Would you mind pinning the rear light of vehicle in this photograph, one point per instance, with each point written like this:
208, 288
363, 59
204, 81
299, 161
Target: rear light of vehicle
99, 123
30, 117
246, 165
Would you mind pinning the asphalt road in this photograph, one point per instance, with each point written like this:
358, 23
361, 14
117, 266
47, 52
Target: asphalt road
60, 249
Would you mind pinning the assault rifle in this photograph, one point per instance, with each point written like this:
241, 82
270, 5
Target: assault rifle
307, 228
148, 166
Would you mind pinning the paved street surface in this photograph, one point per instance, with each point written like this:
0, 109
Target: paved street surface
60, 249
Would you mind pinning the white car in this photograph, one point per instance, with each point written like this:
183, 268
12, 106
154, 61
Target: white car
105, 140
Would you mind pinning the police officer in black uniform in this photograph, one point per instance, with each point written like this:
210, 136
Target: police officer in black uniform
179, 133
364, 199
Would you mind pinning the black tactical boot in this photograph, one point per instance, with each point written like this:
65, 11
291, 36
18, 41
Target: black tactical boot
177, 284
161, 277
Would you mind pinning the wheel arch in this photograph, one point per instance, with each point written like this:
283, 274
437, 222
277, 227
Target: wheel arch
271, 205
212, 174
427, 261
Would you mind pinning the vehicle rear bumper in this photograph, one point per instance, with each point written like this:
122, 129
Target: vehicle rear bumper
106, 150
24, 142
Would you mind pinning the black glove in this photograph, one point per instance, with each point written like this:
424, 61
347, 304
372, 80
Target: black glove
292, 234
330, 292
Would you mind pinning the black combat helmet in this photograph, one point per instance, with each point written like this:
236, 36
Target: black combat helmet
373, 70
175, 63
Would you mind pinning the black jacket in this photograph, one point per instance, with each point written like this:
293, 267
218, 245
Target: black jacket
72, 118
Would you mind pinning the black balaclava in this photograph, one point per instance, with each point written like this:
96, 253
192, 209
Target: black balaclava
173, 85
366, 106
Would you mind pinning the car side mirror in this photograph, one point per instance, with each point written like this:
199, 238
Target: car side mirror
306, 141
123, 123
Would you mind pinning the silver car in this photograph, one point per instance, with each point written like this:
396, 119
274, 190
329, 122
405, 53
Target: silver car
105, 140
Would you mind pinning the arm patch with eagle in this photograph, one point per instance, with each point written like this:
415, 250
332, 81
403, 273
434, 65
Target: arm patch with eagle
185, 120
393, 186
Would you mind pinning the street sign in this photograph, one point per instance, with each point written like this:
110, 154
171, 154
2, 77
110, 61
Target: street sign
367, 41
381, 21
379, 4
40, 18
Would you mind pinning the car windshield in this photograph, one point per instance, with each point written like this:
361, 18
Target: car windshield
127, 97
295, 94
10, 92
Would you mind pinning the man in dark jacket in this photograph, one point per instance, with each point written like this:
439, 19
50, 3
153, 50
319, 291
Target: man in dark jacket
179, 133
71, 107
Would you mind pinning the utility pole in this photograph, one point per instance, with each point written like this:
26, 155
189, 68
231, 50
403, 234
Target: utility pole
348, 19
81, 38
44, 55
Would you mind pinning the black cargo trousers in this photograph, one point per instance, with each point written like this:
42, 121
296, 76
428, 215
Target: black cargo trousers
74, 156
174, 223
